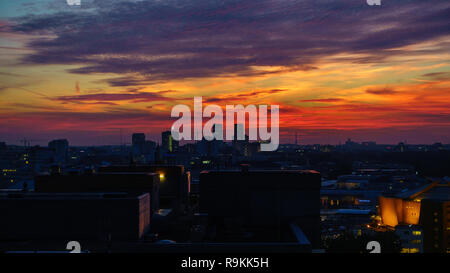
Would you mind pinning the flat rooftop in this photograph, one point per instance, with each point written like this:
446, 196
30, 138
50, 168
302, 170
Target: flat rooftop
262, 171
68, 196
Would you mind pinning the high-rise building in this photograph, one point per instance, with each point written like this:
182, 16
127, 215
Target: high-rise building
238, 131
60, 148
138, 142
138, 138
149, 151
143, 150
435, 220
218, 128
169, 145
240, 146
211, 147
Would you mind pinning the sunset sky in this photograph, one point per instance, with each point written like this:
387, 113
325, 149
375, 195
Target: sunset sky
338, 69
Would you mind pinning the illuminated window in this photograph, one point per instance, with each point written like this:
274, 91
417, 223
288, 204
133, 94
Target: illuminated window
417, 232
409, 250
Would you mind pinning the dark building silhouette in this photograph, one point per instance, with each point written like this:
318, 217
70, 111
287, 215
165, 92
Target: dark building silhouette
135, 183
211, 148
138, 143
237, 143
73, 216
174, 181
168, 144
138, 138
263, 203
60, 148
435, 222
143, 151
401, 147
149, 151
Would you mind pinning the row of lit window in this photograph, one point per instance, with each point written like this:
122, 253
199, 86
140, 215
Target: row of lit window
331, 202
410, 250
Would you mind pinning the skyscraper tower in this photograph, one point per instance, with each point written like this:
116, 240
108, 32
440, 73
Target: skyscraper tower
168, 143
138, 141
60, 148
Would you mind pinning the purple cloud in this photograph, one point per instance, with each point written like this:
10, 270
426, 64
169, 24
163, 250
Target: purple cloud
158, 41
107, 98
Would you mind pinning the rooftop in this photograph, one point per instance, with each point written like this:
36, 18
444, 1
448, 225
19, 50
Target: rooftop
438, 190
